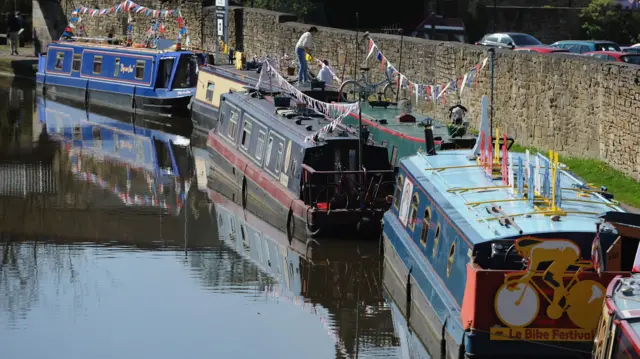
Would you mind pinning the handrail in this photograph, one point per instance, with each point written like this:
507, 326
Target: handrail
313, 171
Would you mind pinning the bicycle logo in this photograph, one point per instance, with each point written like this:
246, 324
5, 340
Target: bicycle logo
517, 301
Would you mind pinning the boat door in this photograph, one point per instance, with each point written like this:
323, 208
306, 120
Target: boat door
605, 335
165, 70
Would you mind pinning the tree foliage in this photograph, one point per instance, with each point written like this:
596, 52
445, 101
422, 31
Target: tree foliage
300, 8
607, 20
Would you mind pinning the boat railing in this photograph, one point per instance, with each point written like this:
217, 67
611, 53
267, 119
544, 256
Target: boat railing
347, 190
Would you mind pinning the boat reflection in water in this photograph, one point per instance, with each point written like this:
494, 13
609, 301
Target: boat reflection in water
141, 165
410, 345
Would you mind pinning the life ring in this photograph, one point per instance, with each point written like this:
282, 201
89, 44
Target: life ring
290, 226
244, 192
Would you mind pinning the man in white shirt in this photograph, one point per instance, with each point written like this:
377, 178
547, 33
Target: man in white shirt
325, 74
303, 47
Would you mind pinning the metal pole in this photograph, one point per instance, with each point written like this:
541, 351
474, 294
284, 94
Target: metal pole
355, 63
491, 56
399, 64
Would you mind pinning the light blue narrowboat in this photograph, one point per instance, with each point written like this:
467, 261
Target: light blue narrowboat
488, 252
141, 153
141, 80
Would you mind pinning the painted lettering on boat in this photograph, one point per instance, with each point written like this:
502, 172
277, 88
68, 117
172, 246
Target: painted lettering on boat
555, 293
184, 93
126, 145
542, 334
126, 69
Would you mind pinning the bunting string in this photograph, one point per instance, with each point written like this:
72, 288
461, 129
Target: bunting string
336, 112
430, 93
126, 6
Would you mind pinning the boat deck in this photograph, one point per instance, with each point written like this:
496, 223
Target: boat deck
267, 108
107, 46
472, 193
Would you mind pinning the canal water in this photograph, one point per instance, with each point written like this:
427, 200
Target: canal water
91, 267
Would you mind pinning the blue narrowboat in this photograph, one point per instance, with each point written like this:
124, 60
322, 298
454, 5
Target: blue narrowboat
141, 80
315, 186
489, 253
141, 153
618, 334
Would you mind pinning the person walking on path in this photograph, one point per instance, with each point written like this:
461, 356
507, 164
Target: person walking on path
303, 47
14, 32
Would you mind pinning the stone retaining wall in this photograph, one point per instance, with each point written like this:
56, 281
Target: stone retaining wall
577, 106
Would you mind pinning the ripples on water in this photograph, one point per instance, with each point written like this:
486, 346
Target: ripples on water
164, 294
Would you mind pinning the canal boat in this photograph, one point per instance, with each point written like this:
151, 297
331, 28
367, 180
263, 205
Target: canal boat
488, 252
135, 151
315, 185
151, 81
618, 334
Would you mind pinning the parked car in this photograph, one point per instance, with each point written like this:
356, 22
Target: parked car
617, 56
543, 49
584, 46
439, 28
509, 40
631, 49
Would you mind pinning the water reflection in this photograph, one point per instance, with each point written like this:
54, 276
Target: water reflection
110, 248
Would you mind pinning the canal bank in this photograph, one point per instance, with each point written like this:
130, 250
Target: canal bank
19, 66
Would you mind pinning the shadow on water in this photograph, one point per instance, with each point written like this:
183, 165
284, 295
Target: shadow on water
106, 235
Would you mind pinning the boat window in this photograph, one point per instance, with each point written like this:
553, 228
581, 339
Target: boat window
398, 193
97, 64
451, 258
279, 157
140, 69
413, 212
185, 74
97, 136
426, 222
59, 60
164, 72
246, 134
233, 123
269, 149
436, 240
77, 62
77, 133
260, 144
210, 87
116, 68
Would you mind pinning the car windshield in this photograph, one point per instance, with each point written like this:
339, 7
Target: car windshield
524, 40
631, 59
607, 47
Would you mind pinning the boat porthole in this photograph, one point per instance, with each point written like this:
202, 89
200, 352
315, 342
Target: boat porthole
436, 240
398, 192
451, 258
426, 221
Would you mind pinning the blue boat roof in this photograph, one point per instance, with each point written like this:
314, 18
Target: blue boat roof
117, 48
471, 192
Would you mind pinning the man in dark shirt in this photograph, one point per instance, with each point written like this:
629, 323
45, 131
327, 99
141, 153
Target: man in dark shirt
14, 32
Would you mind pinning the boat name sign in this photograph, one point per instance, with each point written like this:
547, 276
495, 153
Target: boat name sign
126, 69
403, 212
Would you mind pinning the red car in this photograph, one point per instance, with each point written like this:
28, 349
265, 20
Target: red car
540, 49
617, 56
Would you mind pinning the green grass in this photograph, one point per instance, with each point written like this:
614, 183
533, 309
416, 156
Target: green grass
624, 188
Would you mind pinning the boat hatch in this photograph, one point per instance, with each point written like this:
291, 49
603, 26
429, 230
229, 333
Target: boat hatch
165, 69
331, 179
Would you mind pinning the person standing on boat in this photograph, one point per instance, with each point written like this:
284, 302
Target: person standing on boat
325, 74
14, 32
303, 47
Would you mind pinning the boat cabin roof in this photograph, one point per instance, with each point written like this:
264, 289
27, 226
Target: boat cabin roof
118, 48
469, 191
286, 120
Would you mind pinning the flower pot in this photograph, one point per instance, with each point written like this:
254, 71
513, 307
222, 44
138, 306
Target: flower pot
456, 131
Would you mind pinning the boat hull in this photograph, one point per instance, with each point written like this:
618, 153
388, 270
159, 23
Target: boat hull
250, 186
133, 103
203, 116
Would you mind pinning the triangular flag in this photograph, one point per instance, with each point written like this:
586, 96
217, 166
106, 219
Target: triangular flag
464, 82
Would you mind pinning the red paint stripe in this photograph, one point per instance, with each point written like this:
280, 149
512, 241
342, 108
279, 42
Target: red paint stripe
258, 176
366, 120
631, 335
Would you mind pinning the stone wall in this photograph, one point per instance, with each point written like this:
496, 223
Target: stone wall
577, 106
99, 26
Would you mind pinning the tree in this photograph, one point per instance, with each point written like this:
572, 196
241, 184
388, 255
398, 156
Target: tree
300, 8
607, 20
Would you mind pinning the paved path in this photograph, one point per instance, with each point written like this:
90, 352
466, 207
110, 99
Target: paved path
26, 53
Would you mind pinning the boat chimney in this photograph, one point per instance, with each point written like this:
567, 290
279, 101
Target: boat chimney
428, 136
